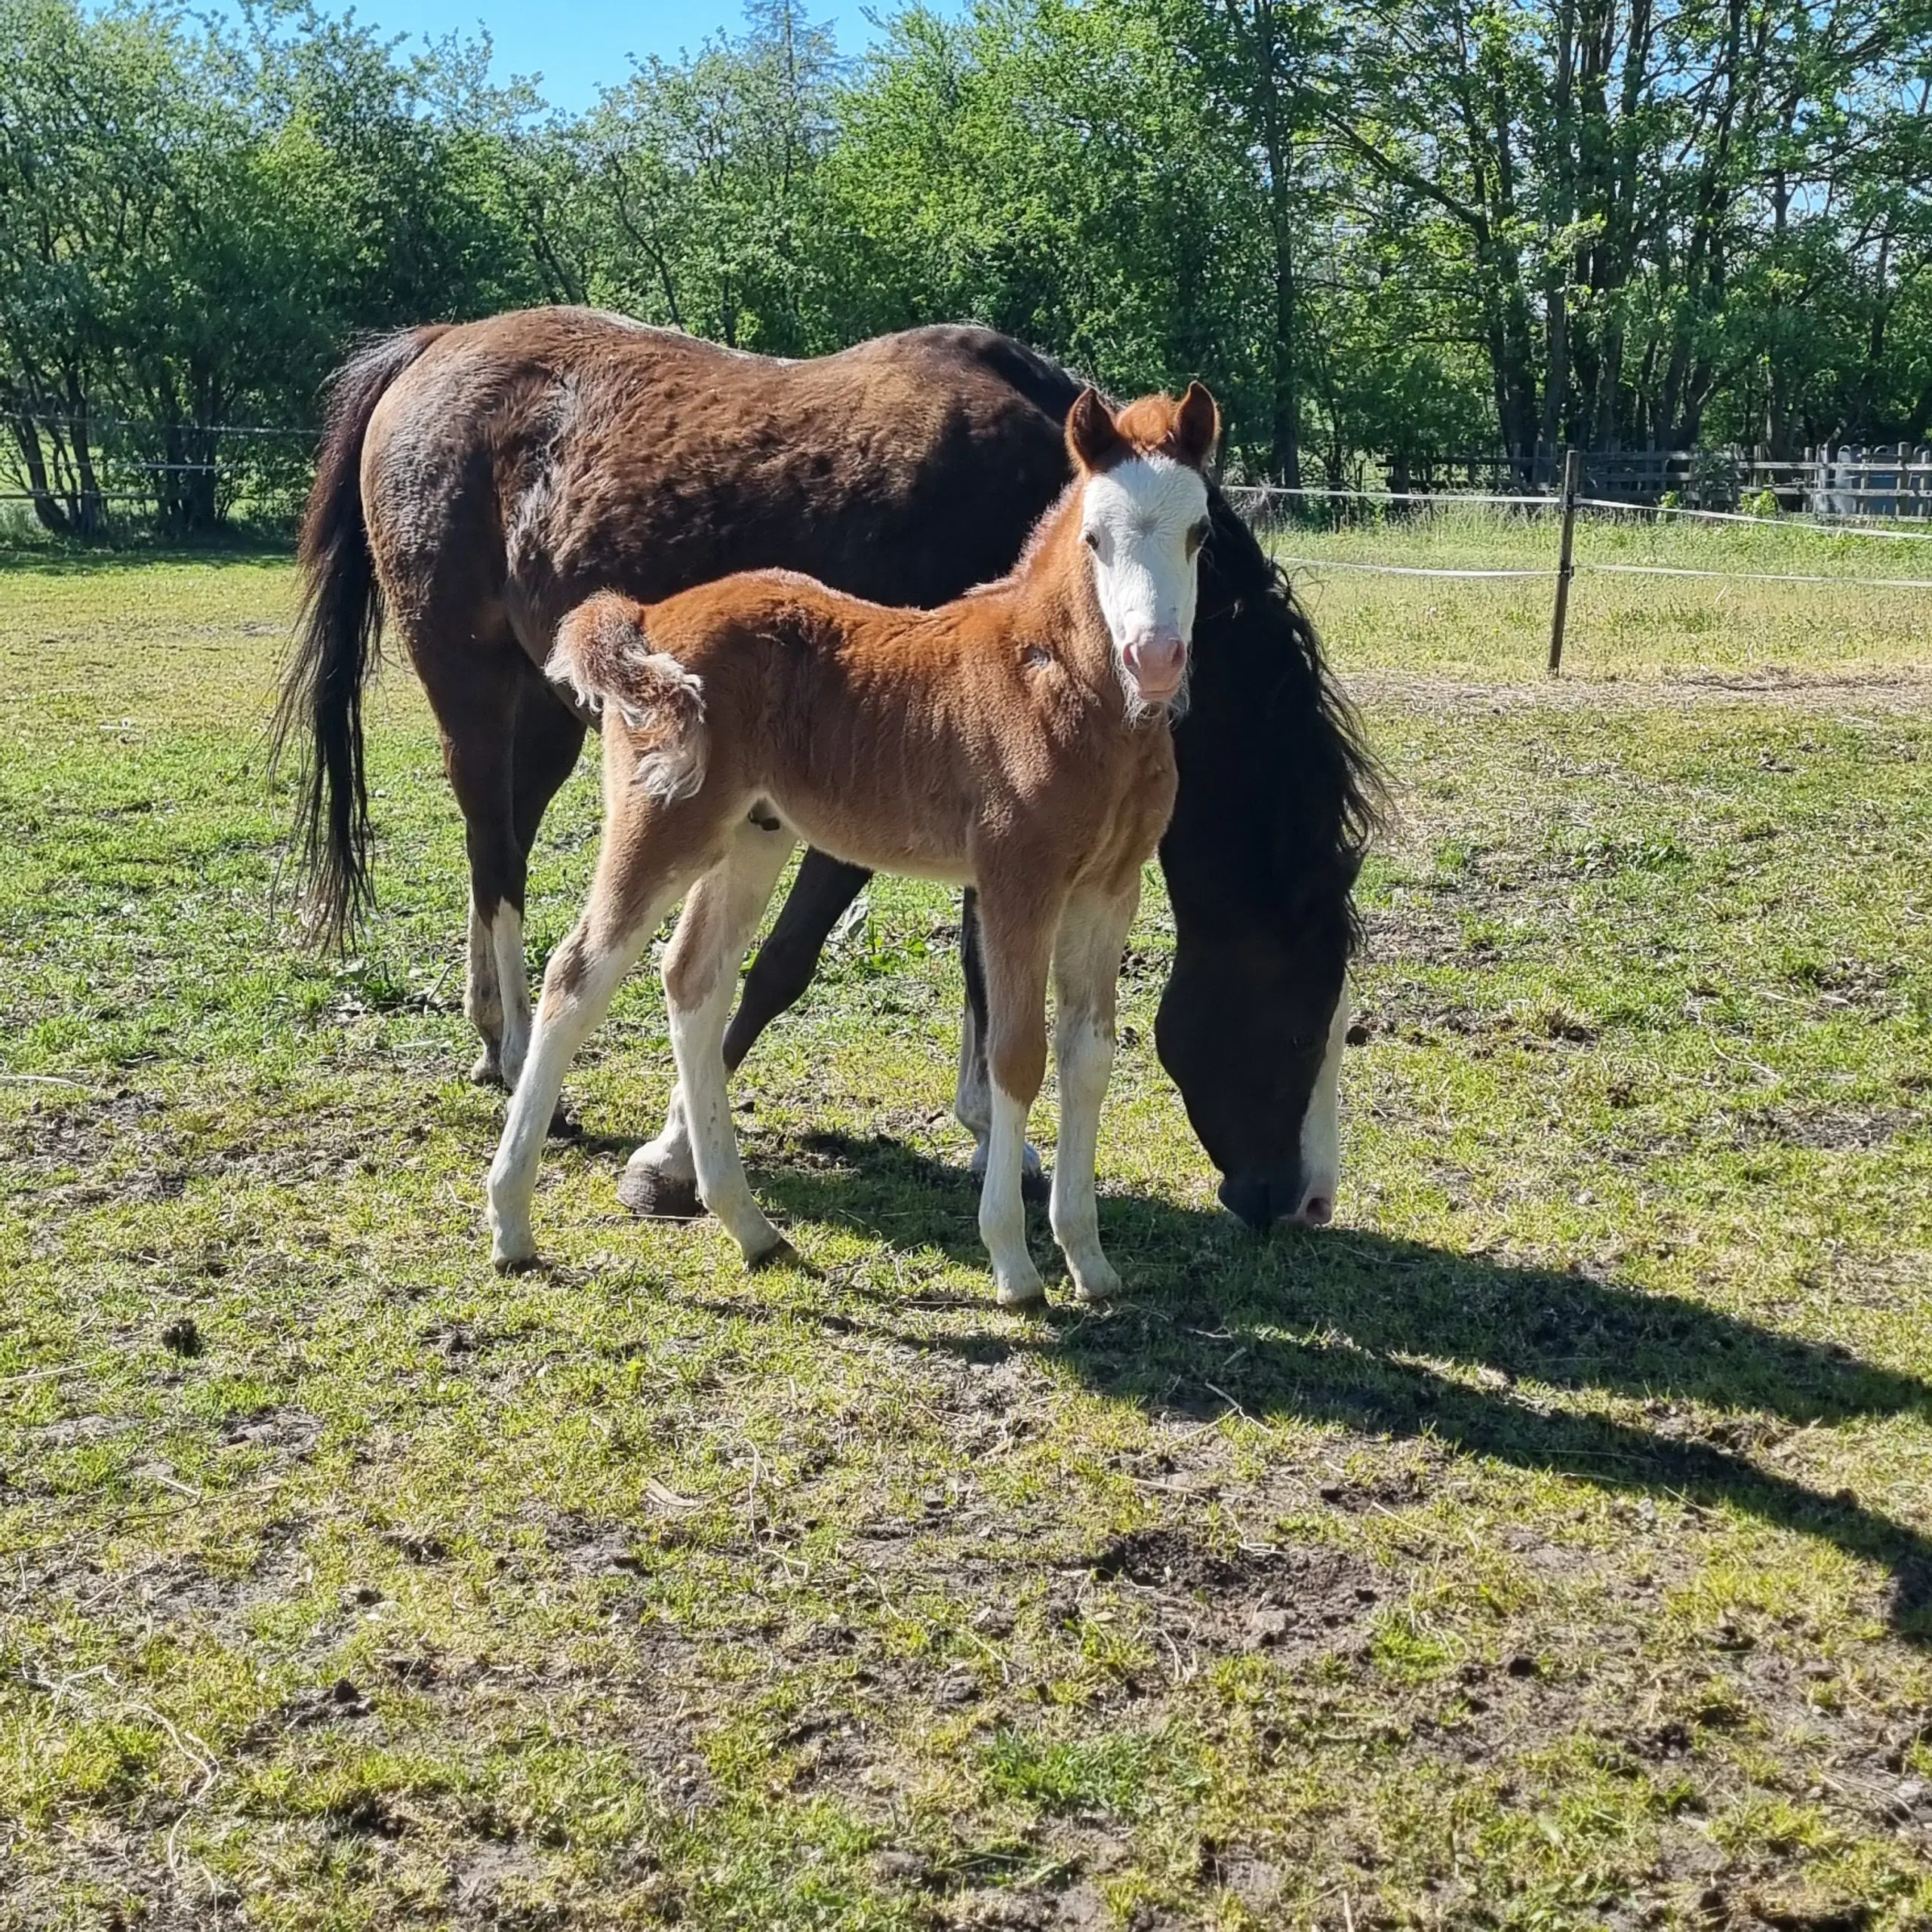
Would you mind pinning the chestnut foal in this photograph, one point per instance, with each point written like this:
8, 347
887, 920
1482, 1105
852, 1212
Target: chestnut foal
1016, 740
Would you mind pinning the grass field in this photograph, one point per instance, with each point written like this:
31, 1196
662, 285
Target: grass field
1622, 625
1548, 1544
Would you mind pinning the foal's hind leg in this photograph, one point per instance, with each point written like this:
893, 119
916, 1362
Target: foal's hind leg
700, 976
972, 1092
661, 1177
482, 1004
1086, 955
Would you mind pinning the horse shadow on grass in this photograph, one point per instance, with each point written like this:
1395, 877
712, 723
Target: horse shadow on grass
1203, 1327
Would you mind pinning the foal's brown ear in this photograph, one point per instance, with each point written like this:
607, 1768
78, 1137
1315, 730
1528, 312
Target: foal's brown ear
1092, 439
1197, 423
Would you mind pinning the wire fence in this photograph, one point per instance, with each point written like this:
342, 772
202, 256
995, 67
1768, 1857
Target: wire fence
196, 473
1402, 569
80, 470
1278, 513
1242, 495
1603, 570
1842, 526
1252, 500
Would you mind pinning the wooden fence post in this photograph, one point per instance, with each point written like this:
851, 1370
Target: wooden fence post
1572, 484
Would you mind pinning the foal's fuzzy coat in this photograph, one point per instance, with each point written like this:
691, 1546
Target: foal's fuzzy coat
1016, 740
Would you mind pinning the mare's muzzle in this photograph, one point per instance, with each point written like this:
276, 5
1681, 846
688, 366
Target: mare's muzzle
1268, 1201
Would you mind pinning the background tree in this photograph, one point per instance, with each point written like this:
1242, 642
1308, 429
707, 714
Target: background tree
1388, 231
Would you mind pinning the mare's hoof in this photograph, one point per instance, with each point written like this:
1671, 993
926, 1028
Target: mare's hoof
514, 1264
1035, 1186
1097, 1293
1021, 1293
659, 1197
565, 1125
782, 1254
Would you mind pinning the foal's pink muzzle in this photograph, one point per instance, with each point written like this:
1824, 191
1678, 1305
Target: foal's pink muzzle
1158, 665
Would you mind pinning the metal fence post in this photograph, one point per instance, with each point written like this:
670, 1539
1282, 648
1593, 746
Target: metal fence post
1572, 484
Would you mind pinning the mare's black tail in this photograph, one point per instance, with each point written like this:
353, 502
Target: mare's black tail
335, 646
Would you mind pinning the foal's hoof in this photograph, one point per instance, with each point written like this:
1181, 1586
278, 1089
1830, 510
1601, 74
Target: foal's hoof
488, 1071
781, 1254
513, 1256
660, 1197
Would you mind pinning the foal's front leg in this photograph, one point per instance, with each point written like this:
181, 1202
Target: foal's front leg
1087, 956
1016, 938
972, 1091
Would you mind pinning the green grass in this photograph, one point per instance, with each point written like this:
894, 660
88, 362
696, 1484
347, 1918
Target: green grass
1549, 1544
1688, 629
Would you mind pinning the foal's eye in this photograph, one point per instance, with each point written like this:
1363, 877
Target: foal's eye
1197, 536
1091, 538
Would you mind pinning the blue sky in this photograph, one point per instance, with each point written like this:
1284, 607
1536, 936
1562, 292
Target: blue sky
579, 46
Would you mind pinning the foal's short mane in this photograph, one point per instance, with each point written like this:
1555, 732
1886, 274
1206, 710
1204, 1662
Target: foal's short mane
1152, 425
1036, 538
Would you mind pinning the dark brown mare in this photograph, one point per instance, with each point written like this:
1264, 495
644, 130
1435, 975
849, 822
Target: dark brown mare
476, 482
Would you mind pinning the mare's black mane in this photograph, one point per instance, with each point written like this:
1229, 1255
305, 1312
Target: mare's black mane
1334, 788
1333, 796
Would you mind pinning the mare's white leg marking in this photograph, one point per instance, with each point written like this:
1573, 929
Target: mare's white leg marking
480, 1002
512, 989
564, 1019
1002, 1212
1086, 955
700, 979
972, 1096
1321, 1125
1031, 1164
669, 1157
973, 1102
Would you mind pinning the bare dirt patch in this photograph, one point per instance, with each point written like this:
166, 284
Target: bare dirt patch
1903, 691
1290, 1600
1829, 1130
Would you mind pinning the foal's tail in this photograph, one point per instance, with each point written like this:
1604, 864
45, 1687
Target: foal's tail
603, 654
335, 647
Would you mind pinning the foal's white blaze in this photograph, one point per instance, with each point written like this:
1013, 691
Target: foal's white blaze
1321, 1125
1144, 521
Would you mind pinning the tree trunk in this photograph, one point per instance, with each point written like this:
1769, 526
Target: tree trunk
1285, 443
1256, 26
47, 508
90, 509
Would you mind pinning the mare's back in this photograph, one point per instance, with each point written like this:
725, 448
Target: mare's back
557, 452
